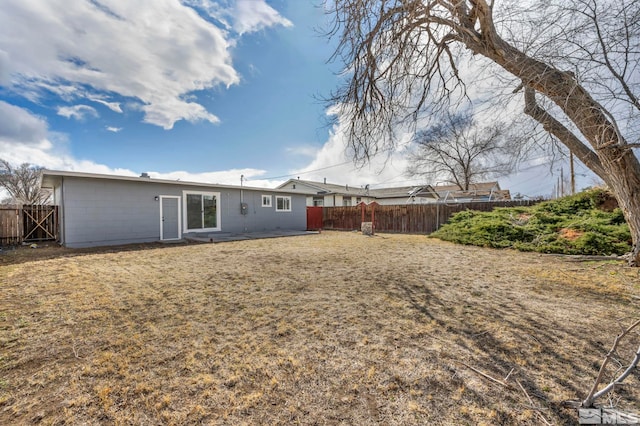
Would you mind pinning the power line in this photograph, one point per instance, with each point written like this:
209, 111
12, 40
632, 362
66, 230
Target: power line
308, 171
391, 181
330, 167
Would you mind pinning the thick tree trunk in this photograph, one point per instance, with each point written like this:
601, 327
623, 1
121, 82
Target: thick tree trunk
616, 163
626, 187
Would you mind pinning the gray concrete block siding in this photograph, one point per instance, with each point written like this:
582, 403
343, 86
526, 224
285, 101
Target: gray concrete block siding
109, 210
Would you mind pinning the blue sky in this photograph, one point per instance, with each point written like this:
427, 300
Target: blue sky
198, 90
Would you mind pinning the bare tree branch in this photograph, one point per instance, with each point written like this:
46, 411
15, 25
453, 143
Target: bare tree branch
457, 151
594, 393
557, 129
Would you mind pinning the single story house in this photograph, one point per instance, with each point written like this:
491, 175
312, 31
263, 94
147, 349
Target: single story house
323, 194
98, 209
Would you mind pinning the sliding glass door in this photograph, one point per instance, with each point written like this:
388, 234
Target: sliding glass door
202, 211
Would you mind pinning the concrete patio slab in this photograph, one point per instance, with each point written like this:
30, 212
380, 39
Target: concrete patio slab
220, 237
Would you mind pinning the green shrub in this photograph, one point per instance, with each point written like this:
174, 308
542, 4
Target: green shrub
570, 225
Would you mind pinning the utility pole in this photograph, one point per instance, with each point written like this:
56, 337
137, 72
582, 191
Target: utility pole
573, 174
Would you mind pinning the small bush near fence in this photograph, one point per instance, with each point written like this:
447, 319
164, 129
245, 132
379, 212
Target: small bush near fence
588, 223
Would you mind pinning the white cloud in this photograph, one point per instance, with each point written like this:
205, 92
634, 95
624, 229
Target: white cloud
17, 125
219, 10
303, 150
78, 112
113, 106
5, 77
225, 177
250, 16
113, 129
53, 155
169, 111
332, 162
241, 16
25, 138
155, 51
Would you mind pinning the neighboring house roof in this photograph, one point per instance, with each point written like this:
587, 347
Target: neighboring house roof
481, 186
50, 177
322, 188
502, 194
477, 191
404, 192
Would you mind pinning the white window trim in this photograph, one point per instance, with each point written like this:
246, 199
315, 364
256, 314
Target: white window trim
283, 197
266, 197
184, 212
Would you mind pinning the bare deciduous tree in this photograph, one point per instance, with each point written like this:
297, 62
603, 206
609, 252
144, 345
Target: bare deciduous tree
23, 183
575, 62
459, 152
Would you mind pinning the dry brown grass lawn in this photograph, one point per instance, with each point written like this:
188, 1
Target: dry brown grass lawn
336, 328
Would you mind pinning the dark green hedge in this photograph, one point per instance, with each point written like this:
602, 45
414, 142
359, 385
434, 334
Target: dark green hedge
585, 223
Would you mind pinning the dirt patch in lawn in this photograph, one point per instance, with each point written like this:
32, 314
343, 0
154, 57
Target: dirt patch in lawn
335, 328
570, 234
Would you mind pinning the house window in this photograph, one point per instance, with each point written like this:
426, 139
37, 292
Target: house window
318, 201
201, 211
346, 202
283, 204
266, 201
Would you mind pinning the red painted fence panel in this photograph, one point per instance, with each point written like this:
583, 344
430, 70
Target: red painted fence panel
314, 218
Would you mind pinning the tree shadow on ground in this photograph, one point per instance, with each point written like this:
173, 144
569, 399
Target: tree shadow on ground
501, 336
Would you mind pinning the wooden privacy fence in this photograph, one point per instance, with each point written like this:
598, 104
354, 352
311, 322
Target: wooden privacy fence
10, 224
28, 223
407, 218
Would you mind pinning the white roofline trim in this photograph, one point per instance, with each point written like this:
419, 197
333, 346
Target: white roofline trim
60, 173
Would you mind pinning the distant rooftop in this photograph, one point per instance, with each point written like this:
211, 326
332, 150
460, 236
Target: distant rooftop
479, 190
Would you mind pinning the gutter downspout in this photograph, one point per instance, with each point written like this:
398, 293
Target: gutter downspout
243, 213
241, 190
61, 214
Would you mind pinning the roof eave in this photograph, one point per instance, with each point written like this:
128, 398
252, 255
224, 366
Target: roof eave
49, 180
